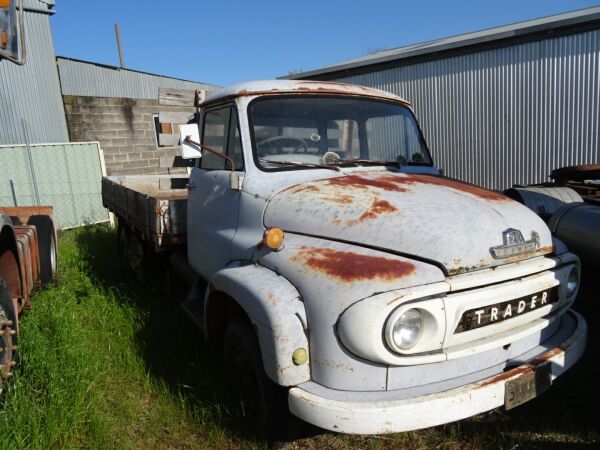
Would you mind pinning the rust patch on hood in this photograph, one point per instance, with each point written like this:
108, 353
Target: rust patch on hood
350, 266
457, 185
305, 188
333, 197
401, 183
359, 195
387, 183
341, 199
377, 208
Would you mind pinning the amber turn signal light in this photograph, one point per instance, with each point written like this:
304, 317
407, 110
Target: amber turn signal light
273, 238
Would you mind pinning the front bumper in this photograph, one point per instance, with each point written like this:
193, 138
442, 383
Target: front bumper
380, 412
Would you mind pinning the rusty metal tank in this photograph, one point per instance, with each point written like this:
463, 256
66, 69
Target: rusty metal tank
571, 207
578, 226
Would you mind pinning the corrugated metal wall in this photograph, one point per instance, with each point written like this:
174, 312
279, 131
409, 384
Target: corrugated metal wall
88, 79
66, 176
507, 115
31, 93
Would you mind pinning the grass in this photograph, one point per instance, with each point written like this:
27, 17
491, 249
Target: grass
99, 363
108, 361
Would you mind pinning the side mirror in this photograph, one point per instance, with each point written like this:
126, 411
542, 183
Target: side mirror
189, 150
12, 31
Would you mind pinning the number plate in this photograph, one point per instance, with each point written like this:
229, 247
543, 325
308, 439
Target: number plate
527, 386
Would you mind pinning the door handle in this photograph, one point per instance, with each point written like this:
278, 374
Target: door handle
191, 185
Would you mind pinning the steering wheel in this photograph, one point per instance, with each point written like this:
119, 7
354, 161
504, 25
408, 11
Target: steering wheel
288, 138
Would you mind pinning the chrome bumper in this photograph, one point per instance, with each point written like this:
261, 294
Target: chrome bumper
379, 413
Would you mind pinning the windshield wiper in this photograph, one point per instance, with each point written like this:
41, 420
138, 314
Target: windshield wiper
385, 163
298, 164
377, 162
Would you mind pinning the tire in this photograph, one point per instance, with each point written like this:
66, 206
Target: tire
8, 336
46, 246
262, 403
122, 237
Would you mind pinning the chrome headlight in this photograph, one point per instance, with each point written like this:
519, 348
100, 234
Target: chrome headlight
404, 330
572, 282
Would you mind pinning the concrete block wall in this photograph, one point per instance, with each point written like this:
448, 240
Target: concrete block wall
125, 129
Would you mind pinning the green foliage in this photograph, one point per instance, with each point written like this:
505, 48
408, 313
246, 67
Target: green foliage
88, 378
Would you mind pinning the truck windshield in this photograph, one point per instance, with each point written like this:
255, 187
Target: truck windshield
334, 131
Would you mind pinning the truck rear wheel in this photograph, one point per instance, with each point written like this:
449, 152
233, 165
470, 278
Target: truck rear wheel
47, 247
131, 248
262, 403
8, 337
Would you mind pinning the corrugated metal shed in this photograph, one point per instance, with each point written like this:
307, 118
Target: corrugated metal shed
501, 106
30, 94
84, 78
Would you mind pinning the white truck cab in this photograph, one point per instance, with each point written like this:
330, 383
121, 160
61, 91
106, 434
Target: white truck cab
344, 273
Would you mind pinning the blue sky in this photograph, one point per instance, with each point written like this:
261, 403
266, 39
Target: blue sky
224, 42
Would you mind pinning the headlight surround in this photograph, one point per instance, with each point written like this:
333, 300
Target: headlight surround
404, 329
364, 329
572, 282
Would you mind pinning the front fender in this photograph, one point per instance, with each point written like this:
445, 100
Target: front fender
274, 306
331, 276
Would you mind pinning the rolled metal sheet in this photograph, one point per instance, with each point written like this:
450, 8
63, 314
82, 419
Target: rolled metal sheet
578, 226
544, 201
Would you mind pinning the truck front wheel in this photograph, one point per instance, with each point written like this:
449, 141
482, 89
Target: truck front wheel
262, 403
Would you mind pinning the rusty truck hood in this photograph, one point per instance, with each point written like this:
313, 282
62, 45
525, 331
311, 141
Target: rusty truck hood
429, 217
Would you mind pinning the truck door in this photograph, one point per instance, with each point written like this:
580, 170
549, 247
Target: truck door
213, 206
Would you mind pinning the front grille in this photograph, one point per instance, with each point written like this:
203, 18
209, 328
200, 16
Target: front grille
500, 312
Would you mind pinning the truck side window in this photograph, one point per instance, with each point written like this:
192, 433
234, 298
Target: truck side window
234, 149
215, 134
221, 133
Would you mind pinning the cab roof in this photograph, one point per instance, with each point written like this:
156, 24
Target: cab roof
267, 87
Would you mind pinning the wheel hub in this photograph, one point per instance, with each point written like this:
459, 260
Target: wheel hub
6, 345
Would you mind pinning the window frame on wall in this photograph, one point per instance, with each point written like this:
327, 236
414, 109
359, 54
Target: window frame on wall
159, 129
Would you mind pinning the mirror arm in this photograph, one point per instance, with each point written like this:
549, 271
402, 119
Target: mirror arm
214, 152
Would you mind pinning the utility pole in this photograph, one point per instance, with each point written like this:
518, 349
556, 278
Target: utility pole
118, 33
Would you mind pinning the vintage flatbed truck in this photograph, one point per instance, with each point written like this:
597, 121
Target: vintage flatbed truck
347, 280
27, 261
